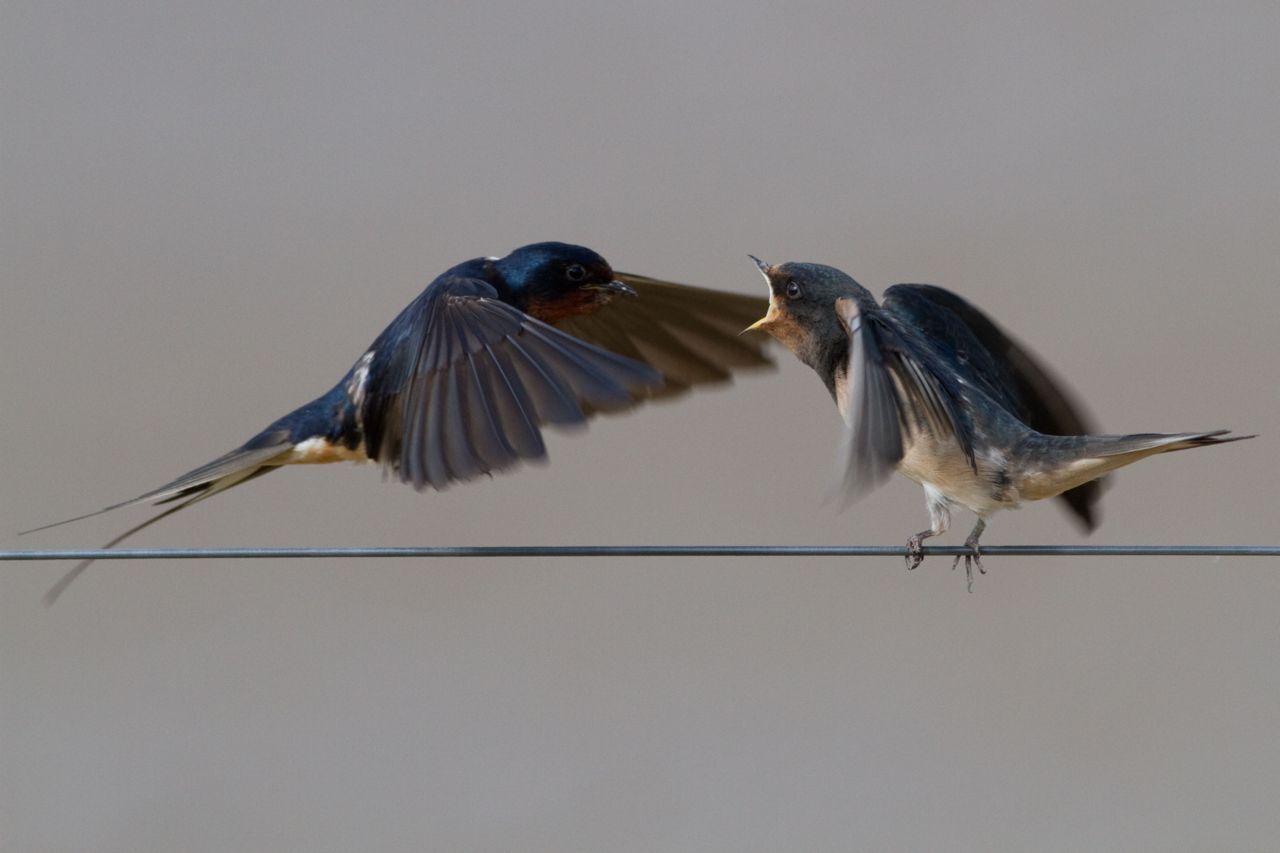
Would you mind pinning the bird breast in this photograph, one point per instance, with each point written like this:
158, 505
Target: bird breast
941, 464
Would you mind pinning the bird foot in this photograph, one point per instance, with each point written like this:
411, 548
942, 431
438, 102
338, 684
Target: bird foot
915, 550
971, 559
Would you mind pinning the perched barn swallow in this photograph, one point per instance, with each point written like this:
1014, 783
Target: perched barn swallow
930, 386
460, 384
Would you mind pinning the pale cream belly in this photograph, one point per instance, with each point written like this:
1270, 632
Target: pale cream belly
1048, 483
943, 466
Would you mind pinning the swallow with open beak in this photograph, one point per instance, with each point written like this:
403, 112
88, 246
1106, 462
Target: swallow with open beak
929, 386
463, 380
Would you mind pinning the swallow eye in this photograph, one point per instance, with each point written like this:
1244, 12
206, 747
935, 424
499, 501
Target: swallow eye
575, 272
793, 290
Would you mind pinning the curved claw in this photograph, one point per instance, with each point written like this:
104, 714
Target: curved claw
971, 559
974, 556
915, 551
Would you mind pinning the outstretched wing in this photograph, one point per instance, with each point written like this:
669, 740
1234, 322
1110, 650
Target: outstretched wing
688, 334
1002, 368
891, 391
460, 383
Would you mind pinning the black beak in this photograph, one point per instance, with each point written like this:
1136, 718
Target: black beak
615, 287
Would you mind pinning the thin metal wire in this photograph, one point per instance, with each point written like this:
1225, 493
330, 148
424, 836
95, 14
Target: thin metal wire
643, 551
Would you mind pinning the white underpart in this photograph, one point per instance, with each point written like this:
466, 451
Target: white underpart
359, 378
317, 451
939, 509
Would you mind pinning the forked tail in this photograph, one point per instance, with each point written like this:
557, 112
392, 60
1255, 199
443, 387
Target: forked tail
264, 453
1058, 463
1147, 443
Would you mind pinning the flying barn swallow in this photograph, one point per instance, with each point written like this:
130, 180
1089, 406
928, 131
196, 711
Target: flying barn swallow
462, 381
930, 386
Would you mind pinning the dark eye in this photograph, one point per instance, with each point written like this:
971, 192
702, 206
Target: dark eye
793, 290
575, 272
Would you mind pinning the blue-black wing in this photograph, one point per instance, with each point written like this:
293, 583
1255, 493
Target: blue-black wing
691, 335
892, 388
1002, 368
460, 383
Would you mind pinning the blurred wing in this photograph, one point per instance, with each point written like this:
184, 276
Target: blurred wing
460, 384
1002, 368
891, 392
688, 334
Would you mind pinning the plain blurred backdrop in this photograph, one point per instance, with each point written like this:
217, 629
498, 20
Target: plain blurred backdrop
210, 209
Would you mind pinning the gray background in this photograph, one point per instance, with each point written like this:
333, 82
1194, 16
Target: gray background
210, 209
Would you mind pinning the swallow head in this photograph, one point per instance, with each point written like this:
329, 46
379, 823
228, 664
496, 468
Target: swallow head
802, 307
552, 281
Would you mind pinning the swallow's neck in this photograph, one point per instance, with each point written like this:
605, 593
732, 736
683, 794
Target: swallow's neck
831, 362
839, 388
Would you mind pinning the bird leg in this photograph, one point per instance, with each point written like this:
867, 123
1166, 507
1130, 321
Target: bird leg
939, 520
974, 557
915, 552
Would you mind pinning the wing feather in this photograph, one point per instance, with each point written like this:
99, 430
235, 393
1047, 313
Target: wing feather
1003, 369
893, 393
689, 334
471, 380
